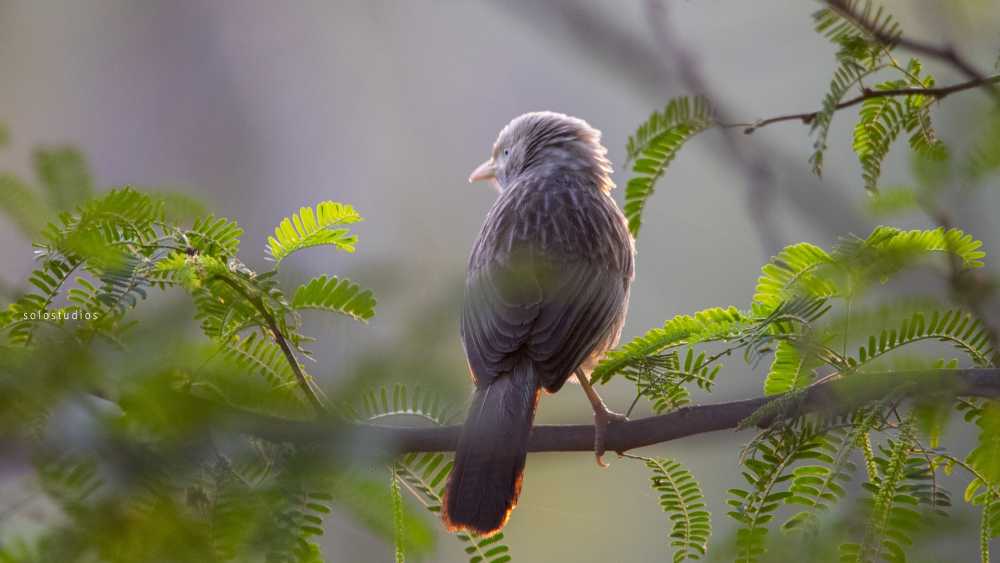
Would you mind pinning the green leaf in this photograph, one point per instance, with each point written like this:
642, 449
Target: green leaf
64, 175
767, 460
361, 494
711, 324
897, 248
400, 400
880, 122
818, 486
683, 502
984, 158
215, 236
295, 524
794, 272
100, 226
655, 144
905, 486
883, 119
22, 206
335, 295
307, 229
179, 207
832, 23
848, 74
893, 201
28, 312
985, 458
397, 516
956, 327
791, 369
262, 356
424, 475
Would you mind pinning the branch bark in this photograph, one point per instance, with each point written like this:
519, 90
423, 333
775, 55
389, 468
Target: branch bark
946, 53
808, 117
838, 396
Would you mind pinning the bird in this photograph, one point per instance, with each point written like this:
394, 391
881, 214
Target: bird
546, 295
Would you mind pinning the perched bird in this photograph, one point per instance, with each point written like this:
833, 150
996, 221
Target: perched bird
545, 297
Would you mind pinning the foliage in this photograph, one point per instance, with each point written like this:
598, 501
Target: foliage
137, 425
99, 257
307, 229
684, 503
424, 474
655, 144
866, 47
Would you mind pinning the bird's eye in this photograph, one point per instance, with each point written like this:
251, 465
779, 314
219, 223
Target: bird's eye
506, 152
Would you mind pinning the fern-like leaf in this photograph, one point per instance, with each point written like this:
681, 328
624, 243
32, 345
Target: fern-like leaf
336, 295
22, 206
425, 475
898, 248
383, 402
791, 369
682, 500
215, 236
842, 30
819, 485
903, 484
655, 144
64, 174
923, 139
32, 308
985, 457
661, 378
399, 531
964, 331
306, 229
262, 356
708, 325
295, 524
880, 121
767, 472
984, 158
70, 481
848, 74
794, 272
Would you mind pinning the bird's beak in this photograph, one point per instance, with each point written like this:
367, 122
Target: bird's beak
484, 171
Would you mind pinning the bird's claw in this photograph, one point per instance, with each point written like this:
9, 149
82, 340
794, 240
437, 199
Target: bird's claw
601, 421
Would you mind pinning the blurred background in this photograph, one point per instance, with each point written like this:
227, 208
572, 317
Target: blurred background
259, 107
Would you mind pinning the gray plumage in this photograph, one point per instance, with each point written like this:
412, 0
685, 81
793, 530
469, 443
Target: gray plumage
546, 294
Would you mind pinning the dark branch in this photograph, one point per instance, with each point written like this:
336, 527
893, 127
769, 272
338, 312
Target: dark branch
946, 53
808, 117
838, 396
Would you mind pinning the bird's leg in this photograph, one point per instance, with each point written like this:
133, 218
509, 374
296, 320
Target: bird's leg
602, 417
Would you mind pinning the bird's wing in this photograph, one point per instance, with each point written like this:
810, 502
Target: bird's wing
579, 317
549, 291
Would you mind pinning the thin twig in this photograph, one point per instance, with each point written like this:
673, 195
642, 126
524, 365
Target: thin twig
946, 53
867, 94
272, 326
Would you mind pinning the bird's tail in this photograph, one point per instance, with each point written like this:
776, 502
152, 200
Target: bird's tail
489, 461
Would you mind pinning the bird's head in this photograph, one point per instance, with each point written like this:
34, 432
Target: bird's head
545, 143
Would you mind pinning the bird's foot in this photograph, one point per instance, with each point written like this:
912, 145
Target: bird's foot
601, 420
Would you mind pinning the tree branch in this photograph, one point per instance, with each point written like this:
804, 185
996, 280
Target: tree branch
834, 397
946, 53
807, 118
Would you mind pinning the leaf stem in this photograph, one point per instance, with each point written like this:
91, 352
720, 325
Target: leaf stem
272, 326
807, 118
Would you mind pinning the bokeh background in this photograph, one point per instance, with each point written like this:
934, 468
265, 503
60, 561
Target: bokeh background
259, 107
